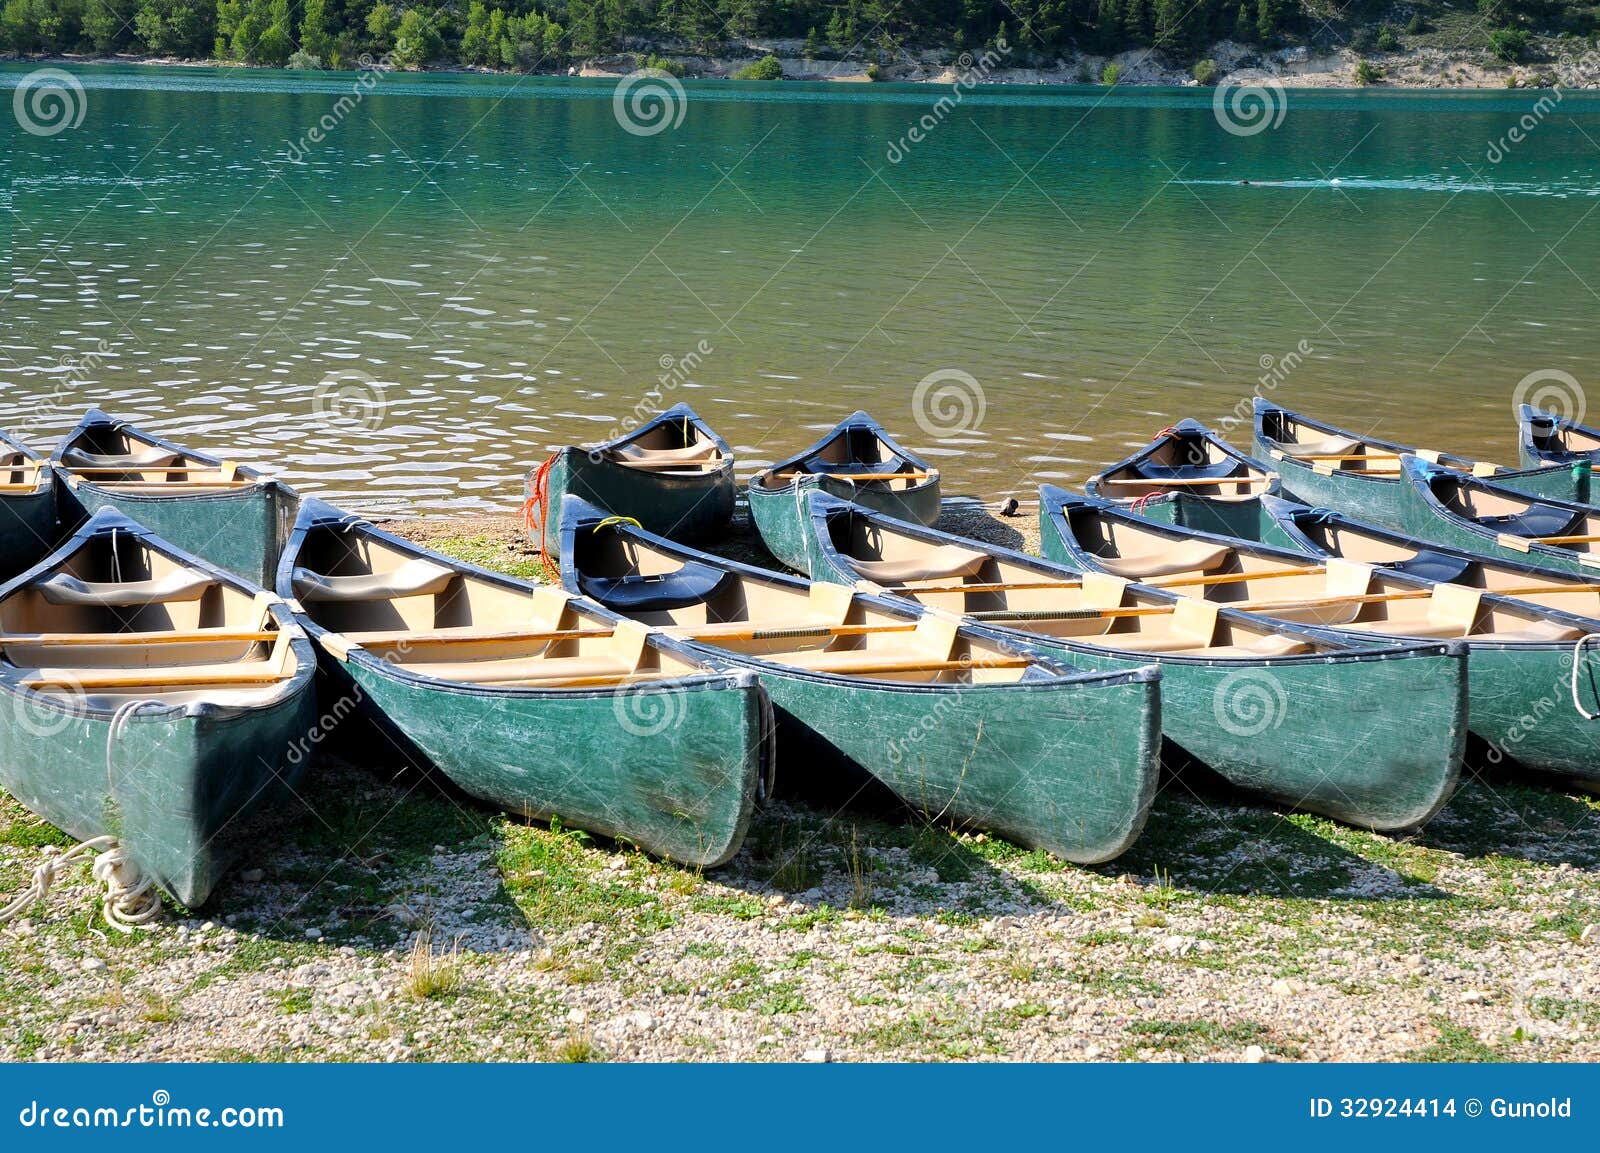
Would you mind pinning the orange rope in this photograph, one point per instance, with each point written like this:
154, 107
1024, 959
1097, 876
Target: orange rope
1163, 432
536, 512
1139, 502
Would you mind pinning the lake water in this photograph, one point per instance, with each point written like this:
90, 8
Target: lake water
466, 272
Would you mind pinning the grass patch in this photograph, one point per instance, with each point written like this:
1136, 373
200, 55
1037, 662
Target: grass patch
433, 974
1196, 1037
1456, 1043
486, 552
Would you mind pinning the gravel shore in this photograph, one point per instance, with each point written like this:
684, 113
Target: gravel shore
393, 919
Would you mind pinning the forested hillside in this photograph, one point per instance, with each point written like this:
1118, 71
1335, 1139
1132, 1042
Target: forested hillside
547, 34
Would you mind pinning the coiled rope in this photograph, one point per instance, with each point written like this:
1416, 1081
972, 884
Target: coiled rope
130, 902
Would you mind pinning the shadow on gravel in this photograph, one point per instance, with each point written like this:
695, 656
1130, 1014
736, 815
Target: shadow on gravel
1205, 837
1498, 812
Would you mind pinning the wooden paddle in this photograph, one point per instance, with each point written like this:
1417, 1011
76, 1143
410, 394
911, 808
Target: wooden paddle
1329, 602
201, 636
157, 485
1346, 456
157, 678
99, 469
1562, 539
1239, 577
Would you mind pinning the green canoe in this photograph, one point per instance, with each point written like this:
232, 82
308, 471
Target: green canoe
673, 475
1524, 700
525, 697
958, 723
1368, 733
151, 697
217, 509
1545, 440
1187, 470
1450, 508
27, 507
1324, 465
857, 460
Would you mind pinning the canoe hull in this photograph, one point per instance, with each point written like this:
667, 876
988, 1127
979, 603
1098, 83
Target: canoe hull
27, 530
182, 785
1022, 760
1523, 708
684, 508
781, 515
240, 531
673, 769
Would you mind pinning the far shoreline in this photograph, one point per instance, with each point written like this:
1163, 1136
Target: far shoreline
1419, 69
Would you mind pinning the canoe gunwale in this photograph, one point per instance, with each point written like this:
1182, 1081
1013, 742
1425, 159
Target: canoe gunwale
1058, 671
316, 515
1186, 426
857, 419
97, 419
1273, 552
823, 506
674, 415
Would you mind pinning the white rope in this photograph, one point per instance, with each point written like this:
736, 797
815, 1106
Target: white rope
1577, 661
130, 899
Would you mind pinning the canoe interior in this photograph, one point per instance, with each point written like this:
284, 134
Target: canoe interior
120, 621
675, 445
822, 628
1511, 516
1329, 534
1549, 439
429, 619
1344, 593
854, 448
1047, 600
114, 455
1187, 457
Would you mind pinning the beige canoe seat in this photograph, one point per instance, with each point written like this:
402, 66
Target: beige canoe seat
938, 564
1265, 645
416, 577
1328, 446
133, 461
699, 452
1536, 630
179, 585
1176, 557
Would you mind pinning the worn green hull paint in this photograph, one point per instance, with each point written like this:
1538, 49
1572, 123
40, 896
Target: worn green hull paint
1226, 518
682, 508
1021, 761
674, 771
181, 785
241, 531
27, 530
1522, 707
781, 515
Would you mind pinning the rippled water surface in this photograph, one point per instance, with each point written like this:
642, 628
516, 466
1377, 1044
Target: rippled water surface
466, 272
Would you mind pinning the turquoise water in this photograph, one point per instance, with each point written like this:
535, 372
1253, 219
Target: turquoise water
465, 272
